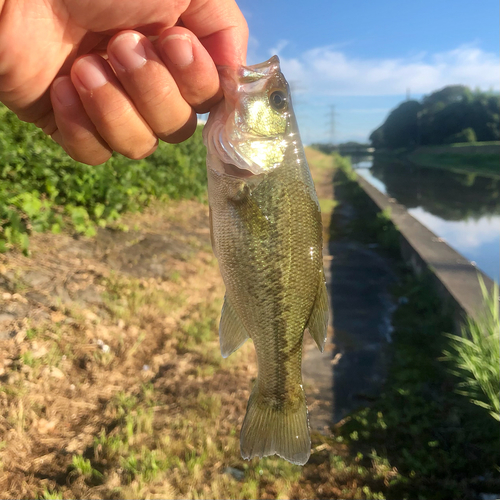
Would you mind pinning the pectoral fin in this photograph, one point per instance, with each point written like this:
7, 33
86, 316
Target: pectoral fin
318, 321
232, 333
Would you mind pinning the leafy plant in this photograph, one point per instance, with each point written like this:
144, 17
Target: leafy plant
41, 187
475, 355
83, 467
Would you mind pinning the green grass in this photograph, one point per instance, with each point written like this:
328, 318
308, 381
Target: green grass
371, 225
51, 495
475, 356
326, 205
482, 164
476, 144
437, 441
81, 466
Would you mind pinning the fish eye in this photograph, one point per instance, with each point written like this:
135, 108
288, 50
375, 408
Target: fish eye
278, 100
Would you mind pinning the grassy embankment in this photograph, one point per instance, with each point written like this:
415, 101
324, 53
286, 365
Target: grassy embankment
479, 158
442, 445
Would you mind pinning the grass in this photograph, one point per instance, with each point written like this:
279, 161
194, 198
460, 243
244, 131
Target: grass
482, 164
475, 356
484, 161
82, 467
437, 441
123, 430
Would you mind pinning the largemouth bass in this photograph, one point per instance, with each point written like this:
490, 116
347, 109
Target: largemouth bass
267, 236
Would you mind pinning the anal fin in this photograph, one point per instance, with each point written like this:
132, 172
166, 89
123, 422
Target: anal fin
232, 333
318, 321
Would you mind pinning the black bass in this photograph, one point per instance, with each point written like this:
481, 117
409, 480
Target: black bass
267, 236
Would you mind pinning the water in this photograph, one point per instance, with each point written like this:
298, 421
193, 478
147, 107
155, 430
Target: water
463, 209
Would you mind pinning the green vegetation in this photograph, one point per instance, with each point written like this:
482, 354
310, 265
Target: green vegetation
442, 446
475, 356
453, 159
452, 114
42, 188
371, 226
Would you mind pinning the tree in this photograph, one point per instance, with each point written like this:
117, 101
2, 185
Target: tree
400, 130
451, 114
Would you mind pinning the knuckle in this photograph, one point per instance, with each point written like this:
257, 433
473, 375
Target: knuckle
140, 151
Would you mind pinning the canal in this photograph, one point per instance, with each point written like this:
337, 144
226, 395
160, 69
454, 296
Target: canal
461, 208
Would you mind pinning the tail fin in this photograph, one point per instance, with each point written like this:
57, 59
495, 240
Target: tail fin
268, 431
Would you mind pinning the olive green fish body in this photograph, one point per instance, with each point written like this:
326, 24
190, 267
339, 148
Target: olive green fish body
267, 236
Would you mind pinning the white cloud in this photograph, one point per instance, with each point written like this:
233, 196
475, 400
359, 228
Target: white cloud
462, 235
329, 71
279, 47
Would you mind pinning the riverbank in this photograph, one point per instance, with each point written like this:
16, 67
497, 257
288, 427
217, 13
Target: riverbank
418, 423
477, 158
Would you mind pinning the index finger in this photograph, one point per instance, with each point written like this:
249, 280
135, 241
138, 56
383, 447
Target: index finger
221, 28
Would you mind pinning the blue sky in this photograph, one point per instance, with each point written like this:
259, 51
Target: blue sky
361, 57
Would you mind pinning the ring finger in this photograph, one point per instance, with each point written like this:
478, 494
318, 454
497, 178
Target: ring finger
151, 87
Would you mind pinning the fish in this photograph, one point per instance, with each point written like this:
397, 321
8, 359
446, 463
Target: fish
266, 232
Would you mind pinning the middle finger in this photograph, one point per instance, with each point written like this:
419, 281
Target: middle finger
151, 87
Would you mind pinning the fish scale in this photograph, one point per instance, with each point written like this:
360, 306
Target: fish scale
267, 236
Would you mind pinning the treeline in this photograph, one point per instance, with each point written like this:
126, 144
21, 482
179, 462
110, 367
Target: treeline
42, 188
328, 147
450, 115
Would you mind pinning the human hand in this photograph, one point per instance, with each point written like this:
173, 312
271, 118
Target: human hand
87, 75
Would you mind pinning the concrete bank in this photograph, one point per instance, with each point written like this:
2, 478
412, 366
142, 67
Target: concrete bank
456, 278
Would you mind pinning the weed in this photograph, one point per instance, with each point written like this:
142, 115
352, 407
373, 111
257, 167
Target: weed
51, 495
41, 188
82, 467
28, 359
476, 353
31, 333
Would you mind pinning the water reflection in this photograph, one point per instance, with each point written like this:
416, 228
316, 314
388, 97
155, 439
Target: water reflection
448, 195
464, 209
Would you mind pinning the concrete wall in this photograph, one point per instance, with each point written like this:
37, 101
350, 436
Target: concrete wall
456, 278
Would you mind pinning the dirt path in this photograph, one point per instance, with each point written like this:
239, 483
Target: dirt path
112, 383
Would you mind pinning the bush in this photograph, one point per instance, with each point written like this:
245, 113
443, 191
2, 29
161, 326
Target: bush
467, 135
41, 186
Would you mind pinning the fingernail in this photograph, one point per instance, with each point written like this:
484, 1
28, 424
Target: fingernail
90, 73
64, 91
128, 51
179, 49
